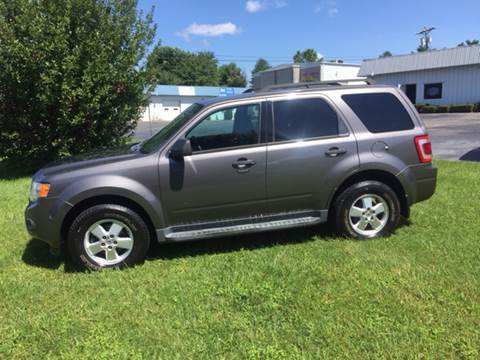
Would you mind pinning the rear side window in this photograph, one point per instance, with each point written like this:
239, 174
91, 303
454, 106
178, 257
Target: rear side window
379, 112
303, 119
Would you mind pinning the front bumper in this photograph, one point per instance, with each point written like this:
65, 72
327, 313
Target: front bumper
43, 220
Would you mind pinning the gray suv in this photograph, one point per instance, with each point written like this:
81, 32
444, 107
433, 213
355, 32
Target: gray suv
357, 156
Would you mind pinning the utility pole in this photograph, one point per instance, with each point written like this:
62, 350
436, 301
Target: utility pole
425, 38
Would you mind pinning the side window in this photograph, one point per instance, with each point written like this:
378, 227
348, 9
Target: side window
305, 118
379, 112
226, 128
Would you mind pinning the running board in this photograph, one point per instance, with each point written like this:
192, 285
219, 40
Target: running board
170, 234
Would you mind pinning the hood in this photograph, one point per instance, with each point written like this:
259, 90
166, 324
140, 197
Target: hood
98, 157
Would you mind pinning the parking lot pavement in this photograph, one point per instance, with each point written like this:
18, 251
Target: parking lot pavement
454, 136
145, 129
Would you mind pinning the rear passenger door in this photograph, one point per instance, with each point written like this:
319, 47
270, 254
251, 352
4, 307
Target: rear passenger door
310, 151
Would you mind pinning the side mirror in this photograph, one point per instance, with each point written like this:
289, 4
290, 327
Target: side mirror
181, 148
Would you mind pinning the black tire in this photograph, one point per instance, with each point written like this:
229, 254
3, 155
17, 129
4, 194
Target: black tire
122, 214
342, 204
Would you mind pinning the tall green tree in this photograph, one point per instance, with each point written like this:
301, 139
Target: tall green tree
71, 75
261, 65
232, 75
306, 56
173, 66
204, 70
386, 54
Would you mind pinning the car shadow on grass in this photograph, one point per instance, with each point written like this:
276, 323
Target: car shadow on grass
37, 253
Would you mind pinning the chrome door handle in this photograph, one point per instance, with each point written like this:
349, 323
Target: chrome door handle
243, 164
335, 151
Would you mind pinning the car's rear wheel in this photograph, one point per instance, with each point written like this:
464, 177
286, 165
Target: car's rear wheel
366, 210
108, 236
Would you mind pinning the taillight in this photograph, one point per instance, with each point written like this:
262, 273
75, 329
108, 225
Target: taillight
424, 148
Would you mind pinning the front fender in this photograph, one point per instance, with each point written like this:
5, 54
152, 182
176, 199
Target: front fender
110, 185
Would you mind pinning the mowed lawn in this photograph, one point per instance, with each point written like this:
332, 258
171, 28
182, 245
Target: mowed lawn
283, 295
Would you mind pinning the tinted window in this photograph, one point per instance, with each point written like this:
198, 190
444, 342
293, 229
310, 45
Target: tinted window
433, 91
303, 119
380, 112
231, 127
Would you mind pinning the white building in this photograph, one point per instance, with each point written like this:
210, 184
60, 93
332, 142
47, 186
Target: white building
295, 73
438, 77
167, 101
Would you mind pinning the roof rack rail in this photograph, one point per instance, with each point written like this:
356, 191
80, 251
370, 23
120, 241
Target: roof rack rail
317, 84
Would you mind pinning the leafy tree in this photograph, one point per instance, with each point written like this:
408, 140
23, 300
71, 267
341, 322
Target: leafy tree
260, 65
386, 54
306, 56
298, 57
232, 75
167, 65
204, 69
71, 75
469, 43
173, 66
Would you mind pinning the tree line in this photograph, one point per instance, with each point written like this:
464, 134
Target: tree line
173, 66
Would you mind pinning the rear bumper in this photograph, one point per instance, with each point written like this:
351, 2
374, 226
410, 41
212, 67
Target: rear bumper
420, 182
43, 220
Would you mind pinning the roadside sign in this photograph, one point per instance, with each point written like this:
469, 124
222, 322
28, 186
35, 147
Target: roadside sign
226, 92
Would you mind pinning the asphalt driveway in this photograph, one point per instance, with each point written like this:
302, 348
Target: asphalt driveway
454, 136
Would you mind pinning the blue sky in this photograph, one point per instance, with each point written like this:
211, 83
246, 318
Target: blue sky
244, 30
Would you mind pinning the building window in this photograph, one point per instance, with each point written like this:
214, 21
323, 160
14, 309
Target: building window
433, 91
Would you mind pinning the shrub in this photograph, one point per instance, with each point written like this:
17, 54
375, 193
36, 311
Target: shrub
419, 107
428, 109
462, 108
443, 108
72, 75
477, 107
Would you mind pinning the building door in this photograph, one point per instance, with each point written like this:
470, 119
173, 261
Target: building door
170, 109
411, 91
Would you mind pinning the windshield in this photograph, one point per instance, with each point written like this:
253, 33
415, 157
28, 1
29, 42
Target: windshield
166, 132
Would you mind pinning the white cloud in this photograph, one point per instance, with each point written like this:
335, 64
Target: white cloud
210, 30
280, 3
253, 6
330, 7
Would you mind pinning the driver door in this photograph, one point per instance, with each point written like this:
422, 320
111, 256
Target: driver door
224, 178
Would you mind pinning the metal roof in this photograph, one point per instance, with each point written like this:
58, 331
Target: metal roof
433, 59
210, 91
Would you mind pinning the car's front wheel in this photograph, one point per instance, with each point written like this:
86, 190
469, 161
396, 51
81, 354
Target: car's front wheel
108, 236
366, 210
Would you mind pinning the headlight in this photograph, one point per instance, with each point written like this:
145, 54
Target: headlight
38, 190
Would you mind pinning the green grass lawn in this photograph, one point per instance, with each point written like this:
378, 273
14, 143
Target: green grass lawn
284, 295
